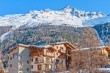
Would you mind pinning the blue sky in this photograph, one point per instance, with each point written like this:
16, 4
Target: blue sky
23, 6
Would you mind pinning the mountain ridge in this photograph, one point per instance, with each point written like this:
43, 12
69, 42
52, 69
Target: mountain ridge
69, 16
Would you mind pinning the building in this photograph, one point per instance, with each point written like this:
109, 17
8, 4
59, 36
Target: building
18, 59
55, 57
1, 64
99, 57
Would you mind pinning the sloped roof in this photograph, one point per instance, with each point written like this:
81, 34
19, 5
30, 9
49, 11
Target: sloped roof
65, 43
35, 47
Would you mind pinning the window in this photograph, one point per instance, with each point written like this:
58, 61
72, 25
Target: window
108, 55
39, 67
48, 60
61, 48
27, 62
48, 67
57, 53
31, 66
32, 59
15, 55
36, 59
57, 60
10, 65
27, 69
10, 58
57, 47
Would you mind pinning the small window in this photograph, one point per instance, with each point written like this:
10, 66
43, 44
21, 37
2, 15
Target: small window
48, 67
109, 55
15, 55
32, 59
57, 47
10, 58
61, 48
39, 67
31, 66
36, 59
27, 62
57, 53
10, 65
27, 69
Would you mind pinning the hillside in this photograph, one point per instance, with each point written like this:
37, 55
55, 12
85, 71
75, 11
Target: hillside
103, 32
45, 34
4, 29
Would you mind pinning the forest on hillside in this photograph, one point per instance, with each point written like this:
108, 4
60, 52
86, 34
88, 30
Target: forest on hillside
46, 34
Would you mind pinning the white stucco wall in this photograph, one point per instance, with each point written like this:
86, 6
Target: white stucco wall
20, 61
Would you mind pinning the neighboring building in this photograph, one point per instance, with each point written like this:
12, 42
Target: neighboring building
18, 59
106, 50
39, 59
1, 64
96, 54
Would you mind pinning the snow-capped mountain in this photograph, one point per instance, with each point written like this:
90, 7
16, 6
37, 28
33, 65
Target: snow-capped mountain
66, 16
83, 15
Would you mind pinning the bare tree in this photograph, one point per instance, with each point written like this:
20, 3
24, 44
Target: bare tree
87, 61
